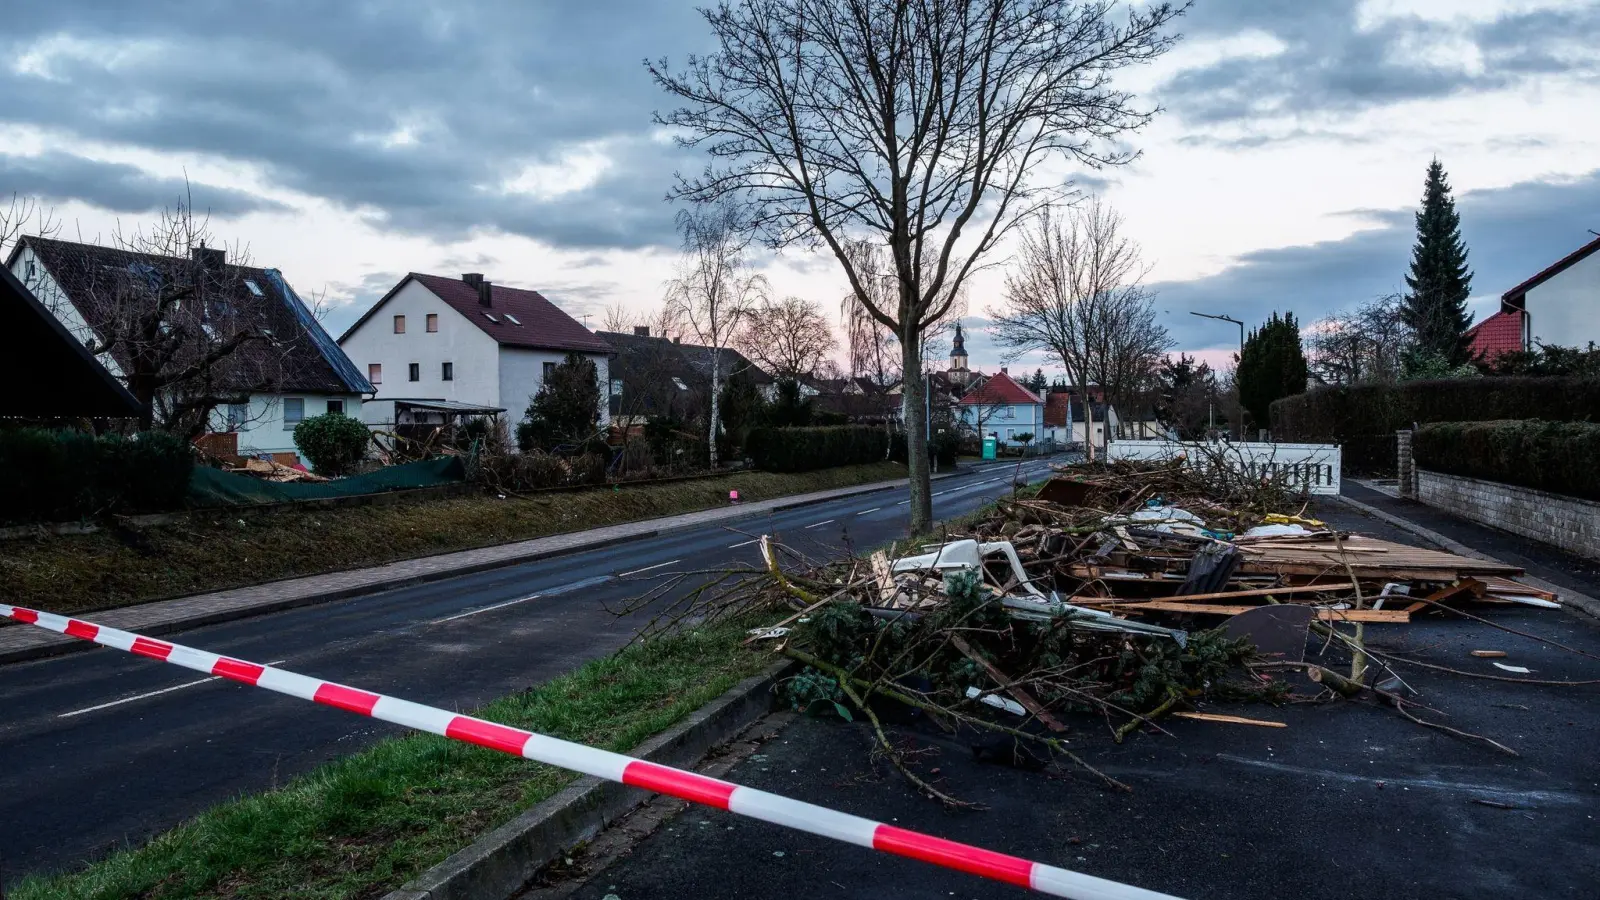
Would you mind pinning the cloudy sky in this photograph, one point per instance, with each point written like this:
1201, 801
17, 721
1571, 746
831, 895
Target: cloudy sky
347, 143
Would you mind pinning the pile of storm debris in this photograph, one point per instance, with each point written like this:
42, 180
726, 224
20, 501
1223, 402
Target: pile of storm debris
1117, 594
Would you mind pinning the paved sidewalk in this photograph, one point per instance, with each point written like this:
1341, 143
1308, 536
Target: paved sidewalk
18, 643
1575, 579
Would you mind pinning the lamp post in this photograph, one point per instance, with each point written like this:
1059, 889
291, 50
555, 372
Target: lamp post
1240, 435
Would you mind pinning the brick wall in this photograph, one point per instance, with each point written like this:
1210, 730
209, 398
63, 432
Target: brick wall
1566, 522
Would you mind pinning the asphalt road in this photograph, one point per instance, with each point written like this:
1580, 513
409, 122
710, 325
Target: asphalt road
1349, 800
102, 750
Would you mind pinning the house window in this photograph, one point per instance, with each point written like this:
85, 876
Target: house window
335, 407
549, 369
414, 372
447, 371
433, 322
513, 320
294, 409
238, 414
32, 270
254, 288
399, 324
375, 373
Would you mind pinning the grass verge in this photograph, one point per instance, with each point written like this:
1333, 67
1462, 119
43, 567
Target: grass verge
212, 551
366, 824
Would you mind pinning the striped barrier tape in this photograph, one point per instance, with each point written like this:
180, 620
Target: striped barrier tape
638, 773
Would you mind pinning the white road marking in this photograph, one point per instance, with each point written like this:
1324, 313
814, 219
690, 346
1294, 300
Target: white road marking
743, 544
820, 524
648, 568
865, 511
560, 589
149, 694
902, 503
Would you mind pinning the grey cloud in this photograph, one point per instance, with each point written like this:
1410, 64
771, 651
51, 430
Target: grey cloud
1331, 65
308, 91
1511, 233
120, 188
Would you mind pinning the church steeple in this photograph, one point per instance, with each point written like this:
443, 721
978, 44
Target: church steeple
958, 352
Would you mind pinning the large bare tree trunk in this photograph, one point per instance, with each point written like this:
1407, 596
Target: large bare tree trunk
916, 435
716, 404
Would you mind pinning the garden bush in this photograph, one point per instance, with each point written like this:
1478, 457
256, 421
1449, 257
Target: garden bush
806, 449
333, 443
48, 475
1549, 456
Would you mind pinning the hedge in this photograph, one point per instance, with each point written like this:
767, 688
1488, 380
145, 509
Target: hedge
805, 449
334, 443
946, 446
1364, 417
59, 475
1558, 457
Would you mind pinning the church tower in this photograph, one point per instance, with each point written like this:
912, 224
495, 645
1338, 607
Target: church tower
958, 358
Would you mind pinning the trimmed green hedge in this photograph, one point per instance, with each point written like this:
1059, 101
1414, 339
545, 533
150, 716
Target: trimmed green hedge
1364, 417
334, 443
50, 476
805, 449
1558, 457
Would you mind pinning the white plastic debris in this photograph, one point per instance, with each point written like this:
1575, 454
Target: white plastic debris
1171, 520
964, 555
1517, 669
1010, 706
1261, 531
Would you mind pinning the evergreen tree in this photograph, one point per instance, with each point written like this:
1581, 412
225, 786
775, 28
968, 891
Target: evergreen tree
1037, 382
1435, 306
1273, 365
566, 409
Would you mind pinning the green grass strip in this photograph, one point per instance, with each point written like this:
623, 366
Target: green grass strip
367, 823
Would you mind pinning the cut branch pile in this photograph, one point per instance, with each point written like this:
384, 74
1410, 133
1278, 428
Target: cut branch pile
1119, 594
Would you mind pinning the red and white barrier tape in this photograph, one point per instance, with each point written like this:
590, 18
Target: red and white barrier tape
610, 766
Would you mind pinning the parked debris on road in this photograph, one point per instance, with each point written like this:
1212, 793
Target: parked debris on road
1119, 594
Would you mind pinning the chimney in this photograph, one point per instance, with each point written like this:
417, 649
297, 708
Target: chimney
485, 294
208, 258
473, 278
677, 340
641, 331
1004, 371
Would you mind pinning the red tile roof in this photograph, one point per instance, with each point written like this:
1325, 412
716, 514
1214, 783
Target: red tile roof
544, 326
999, 388
1515, 295
1500, 333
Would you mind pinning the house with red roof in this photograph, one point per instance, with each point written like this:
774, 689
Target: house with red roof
1001, 407
1560, 305
468, 341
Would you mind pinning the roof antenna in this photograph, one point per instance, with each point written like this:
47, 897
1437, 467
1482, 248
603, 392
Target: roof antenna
1593, 232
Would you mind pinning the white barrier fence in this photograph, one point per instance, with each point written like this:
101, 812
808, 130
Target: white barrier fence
1313, 468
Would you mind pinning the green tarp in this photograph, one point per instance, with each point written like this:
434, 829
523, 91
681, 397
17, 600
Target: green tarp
214, 487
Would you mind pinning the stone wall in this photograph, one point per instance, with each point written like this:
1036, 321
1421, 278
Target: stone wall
1566, 522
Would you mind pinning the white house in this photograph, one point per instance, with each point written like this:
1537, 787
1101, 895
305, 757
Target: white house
467, 340
289, 370
1560, 305
1002, 407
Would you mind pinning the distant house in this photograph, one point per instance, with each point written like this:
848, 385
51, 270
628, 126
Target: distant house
63, 380
468, 341
1560, 305
1065, 419
655, 376
288, 370
860, 400
1002, 407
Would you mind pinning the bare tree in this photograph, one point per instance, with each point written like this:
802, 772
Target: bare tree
179, 322
714, 291
788, 337
21, 213
618, 318
875, 347
908, 125
1126, 347
1075, 280
1363, 344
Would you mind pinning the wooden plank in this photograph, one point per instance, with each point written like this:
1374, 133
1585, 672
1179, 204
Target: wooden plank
1016, 692
1231, 720
1225, 595
1392, 616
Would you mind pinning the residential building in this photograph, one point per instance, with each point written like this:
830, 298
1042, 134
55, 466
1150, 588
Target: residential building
1560, 306
274, 364
57, 376
652, 376
1003, 408
467, 340
1064, 406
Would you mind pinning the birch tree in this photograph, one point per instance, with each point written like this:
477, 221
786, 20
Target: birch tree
715, 291
915, 126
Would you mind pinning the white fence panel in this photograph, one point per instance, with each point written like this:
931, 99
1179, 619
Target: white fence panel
1310, 467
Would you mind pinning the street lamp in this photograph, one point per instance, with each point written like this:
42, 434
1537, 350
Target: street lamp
1240, 435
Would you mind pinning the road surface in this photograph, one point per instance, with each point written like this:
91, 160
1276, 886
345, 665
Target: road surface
102, 750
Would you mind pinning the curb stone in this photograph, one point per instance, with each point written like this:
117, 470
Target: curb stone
58, 645
1570, 599
502, 862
